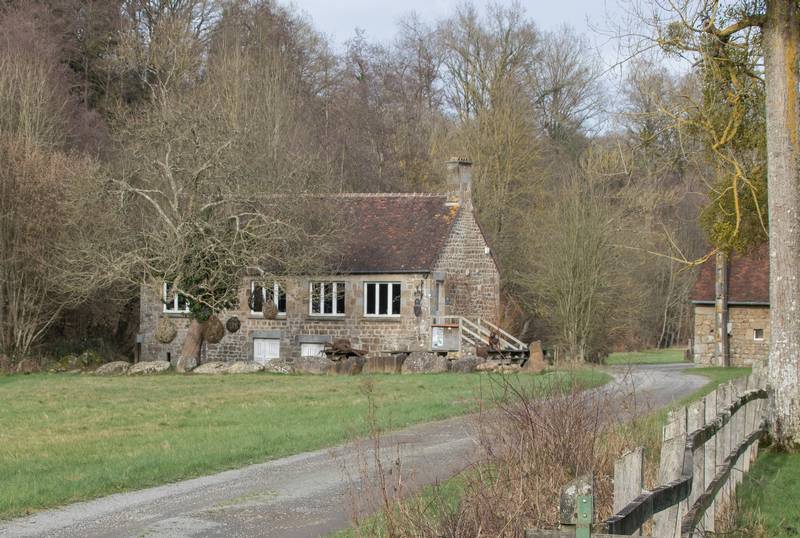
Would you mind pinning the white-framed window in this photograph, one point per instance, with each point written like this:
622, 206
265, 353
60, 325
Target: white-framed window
178, 304
381, 298
266, 349
312, 349
758, 335
326, 298
260, 294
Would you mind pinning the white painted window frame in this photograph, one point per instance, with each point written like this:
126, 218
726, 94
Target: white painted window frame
756, 338
267, 359
174, 308
318, 345
376, 298
323, 284
276, 287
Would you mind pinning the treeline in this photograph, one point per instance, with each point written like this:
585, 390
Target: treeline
133, 133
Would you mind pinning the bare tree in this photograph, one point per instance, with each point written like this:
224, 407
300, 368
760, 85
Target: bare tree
212, 178
41, 178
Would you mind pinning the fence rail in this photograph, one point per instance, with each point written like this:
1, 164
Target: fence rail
706, 450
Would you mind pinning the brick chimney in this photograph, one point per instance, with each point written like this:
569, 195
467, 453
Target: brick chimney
459, 182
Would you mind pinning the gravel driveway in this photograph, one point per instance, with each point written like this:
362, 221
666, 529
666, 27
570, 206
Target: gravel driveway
304, 495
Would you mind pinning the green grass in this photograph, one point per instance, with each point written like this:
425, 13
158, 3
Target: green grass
652, 356
67, 438
768, 499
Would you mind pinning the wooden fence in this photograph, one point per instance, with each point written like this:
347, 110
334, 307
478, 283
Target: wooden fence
706, 450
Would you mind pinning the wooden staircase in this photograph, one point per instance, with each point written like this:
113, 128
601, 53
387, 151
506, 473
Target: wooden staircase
482, 333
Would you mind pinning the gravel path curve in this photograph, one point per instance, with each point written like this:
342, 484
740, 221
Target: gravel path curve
308, 494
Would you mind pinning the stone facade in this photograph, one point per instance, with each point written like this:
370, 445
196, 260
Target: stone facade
745, 349
472, 280
470, 287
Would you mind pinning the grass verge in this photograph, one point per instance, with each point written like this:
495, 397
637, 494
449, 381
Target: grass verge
68, 438
645, 431
768, 499
651, 356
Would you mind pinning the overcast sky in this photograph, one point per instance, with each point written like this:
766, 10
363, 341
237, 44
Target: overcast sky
378, 18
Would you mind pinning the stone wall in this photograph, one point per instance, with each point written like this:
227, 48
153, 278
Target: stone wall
472, 281
406, 332
744, 320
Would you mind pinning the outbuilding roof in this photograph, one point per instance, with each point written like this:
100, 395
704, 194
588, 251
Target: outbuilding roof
748, 279
393, 233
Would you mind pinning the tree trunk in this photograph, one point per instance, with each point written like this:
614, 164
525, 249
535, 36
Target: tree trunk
192, 345
781, 38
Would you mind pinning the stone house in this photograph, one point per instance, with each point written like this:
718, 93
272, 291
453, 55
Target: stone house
412, 266
731, 310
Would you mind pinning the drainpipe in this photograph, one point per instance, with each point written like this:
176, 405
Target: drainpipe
723, 356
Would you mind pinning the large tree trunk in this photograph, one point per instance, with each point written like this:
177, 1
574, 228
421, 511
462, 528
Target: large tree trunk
781, 39
192, 345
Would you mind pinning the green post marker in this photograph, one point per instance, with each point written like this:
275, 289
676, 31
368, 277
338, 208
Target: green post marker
585, 511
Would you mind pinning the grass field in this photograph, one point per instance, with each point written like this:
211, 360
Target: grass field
769, 497
652, 356
67, 438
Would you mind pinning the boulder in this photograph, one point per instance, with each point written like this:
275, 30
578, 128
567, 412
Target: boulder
278, 366
245, 367
420, 362
535, 363
466, 364
312, 365
508, 369
488, 366
113, 368
149, 367
349, 366
186, 364
212, 368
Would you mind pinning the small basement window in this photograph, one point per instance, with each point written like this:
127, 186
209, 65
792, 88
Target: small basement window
177, 303
261, 294
326, 298
312, 350
758, 335
381, 298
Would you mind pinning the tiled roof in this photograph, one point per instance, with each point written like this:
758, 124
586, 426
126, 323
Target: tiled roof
748, 279
392, 233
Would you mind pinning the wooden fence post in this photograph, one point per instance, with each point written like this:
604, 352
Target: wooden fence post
722, 439
673, 448
628, 479
710, 460
741, 432
696, 419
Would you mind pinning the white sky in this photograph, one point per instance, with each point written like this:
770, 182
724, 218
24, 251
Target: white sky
378, 18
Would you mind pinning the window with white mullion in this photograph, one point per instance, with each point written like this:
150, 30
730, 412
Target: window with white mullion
381, 298
178, 304
261, 294
326, 298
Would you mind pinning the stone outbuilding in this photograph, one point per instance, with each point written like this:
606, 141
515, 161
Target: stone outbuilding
414, 270
731, 310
